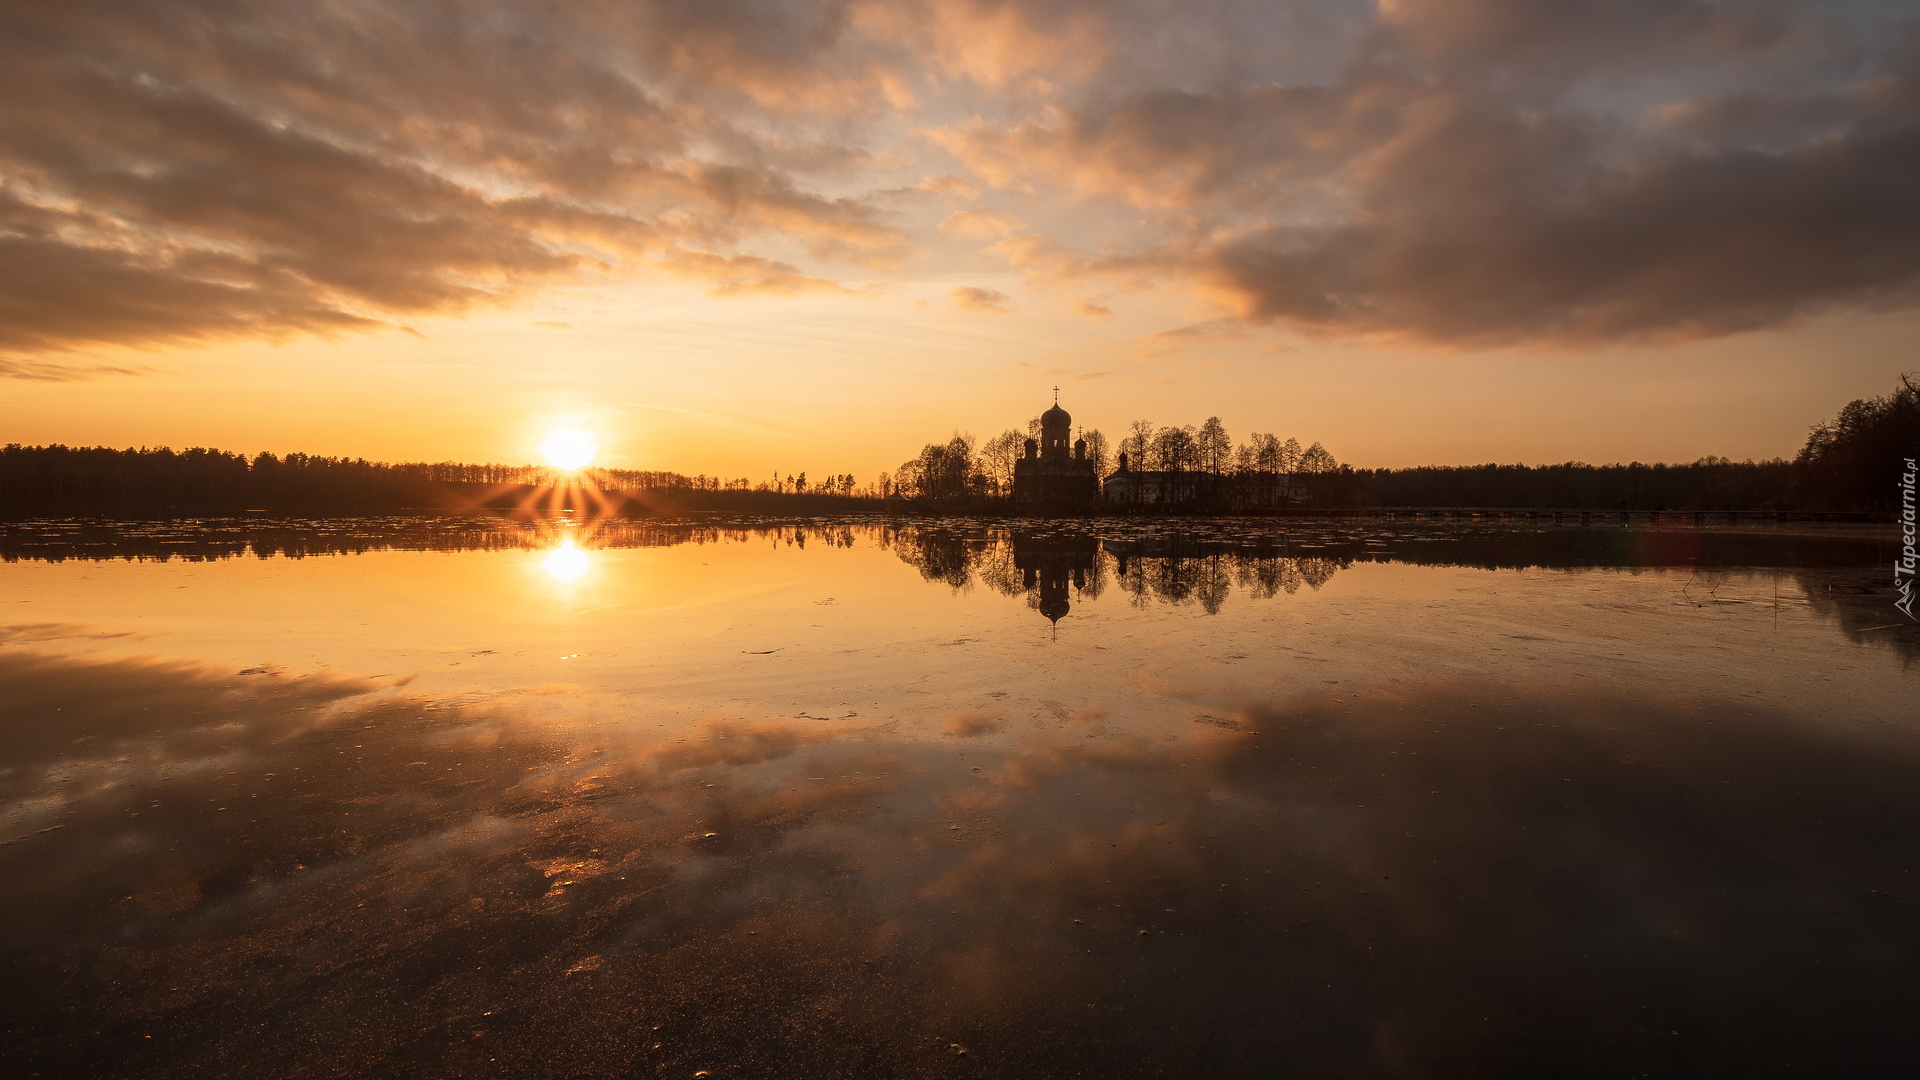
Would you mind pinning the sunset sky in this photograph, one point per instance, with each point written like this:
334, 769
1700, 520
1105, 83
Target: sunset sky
741, 236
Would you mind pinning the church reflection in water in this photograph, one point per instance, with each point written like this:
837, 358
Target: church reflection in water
1055, 569
1052, 567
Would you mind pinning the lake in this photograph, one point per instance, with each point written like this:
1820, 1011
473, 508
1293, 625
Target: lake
435, 796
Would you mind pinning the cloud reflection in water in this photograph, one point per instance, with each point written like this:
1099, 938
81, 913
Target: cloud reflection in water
313, 877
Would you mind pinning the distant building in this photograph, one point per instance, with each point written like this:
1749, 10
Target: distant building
1053, 474
1129, 485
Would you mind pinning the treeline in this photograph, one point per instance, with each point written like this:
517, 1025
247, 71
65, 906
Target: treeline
1854, 461
1850, 463
1708, 484
201, 478
34, 478
962, 468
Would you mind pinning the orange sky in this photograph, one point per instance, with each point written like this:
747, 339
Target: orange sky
741, 237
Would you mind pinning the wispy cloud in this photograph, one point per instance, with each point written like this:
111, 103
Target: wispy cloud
59, 371
1062, 373
982, 224
973, 298
1181, 338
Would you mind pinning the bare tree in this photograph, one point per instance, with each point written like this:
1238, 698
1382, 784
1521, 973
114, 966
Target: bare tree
1289, 456
1173, 450
997, 458
1317, 460
1097, 452
1213, 445
1135, 445
942, 471
1263, 452
1246, 456
1258, 462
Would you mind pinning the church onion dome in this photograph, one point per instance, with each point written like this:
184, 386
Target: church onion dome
1055, 608
1055, 417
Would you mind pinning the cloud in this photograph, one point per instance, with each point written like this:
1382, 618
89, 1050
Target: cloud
45, 371
1466, 235
1024, 45
171, 177
1180, 338
951, 186
971, 298
1449, 172
1478, 177
982, 224
734, 274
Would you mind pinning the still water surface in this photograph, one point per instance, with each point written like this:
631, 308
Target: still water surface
420, 797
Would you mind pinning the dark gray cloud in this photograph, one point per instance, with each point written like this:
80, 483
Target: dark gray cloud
1478, 228
182, 171
1492, 172
1452, 171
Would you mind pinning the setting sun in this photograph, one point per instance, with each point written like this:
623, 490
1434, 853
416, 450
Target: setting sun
569, 449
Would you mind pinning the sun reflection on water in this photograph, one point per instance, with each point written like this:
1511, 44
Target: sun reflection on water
567, 563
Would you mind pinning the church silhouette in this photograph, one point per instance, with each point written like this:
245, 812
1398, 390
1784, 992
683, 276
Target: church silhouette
1052, 473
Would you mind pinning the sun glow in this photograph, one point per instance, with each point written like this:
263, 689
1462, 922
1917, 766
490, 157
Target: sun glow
567, 563
569, 449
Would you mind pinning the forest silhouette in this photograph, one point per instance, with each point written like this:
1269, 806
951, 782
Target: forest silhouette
1850, 463
54, 478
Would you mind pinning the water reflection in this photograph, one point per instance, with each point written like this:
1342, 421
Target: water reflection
1049, 565
952, 551
1835, 570
566, 563
819, 798
319, 876
1053, 568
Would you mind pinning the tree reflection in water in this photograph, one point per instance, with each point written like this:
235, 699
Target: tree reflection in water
220, 872
1055, 567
